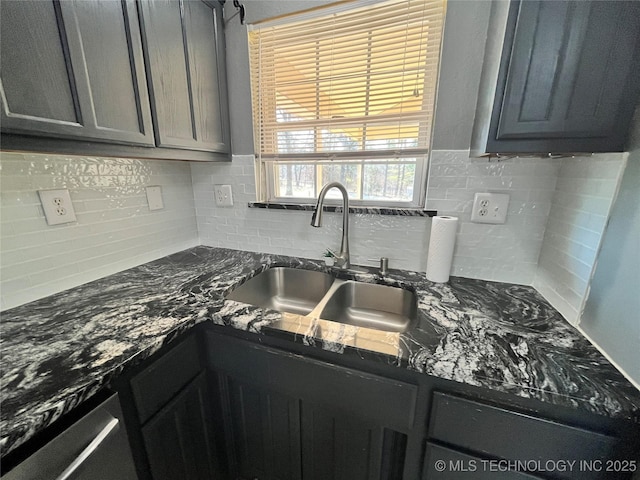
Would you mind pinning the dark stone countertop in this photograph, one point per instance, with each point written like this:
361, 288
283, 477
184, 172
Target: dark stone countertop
60, 350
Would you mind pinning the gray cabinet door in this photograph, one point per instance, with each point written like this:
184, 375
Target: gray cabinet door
568, 77
342, 424
178, 438
184, 48
74, 69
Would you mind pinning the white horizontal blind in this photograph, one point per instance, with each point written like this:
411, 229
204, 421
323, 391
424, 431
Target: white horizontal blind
353, 85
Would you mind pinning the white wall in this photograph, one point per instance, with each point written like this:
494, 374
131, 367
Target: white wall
611, 318
584, 194
115, 229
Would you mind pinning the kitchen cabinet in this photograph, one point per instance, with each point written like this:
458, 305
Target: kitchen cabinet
95, 447
169, 416
494, 431
290, 417
462, 466
74, 70
184, 49
125, 78
566, 80
177, 439
223, 406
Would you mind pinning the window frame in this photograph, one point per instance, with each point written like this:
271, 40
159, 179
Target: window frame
419, 194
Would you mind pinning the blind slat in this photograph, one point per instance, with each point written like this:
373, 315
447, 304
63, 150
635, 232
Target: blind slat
360, 81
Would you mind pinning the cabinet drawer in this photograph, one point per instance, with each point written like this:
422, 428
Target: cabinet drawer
446, 464
502, 433
155, 386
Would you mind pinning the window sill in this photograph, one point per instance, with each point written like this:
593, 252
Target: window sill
405, 212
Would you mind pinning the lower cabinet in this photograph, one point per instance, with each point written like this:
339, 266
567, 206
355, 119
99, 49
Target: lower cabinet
473, 439
167, 405
220, 407
289, 417
178, 438
443, 463
262, 429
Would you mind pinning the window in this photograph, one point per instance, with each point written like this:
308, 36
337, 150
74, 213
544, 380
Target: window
346, 93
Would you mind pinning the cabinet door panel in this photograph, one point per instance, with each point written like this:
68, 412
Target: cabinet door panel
338, 447
167, 64
498, 432
201, 27
460, 466
37, 81
596, 95
77, 74
183, 42
153, 387
294, 417
542, 69
570, 82
178, 438
109, 36
266, 430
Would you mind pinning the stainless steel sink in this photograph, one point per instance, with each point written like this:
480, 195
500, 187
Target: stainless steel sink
285, 290
319, 295
372, 306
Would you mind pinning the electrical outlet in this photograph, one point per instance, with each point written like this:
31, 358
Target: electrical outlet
154, 197
57, 206
490, 208
224, 197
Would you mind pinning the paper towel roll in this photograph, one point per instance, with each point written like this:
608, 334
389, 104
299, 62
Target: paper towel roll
441, 244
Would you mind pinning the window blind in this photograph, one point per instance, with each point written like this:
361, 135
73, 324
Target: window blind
347, 84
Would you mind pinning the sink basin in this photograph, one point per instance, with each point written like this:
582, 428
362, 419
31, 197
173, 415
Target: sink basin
285, 290
319, 295
372, 306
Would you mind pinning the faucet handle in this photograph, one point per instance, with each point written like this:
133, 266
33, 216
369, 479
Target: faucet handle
339, 260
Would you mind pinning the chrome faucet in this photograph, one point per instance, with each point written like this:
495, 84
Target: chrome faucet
342, 258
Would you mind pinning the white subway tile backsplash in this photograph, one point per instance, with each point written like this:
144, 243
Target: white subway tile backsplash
584, 194
506, 252
400, 238
558, 209
115, 229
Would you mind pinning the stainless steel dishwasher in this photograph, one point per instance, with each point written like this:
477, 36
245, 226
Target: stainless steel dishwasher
95, 447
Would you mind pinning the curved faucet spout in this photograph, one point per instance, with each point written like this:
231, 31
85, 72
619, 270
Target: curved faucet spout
342, 259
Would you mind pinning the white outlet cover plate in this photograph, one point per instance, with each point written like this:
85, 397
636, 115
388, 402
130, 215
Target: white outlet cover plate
57, 206
154, 197
490, 208
223, 195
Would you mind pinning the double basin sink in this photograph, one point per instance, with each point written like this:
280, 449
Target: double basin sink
319, 295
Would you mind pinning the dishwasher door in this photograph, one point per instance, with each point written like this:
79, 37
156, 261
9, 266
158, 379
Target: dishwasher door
93, 448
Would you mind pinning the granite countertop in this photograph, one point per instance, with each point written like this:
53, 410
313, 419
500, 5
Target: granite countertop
59, 351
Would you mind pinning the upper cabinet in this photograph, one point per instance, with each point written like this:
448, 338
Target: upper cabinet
132, 78
74, 69
184, 48
558, 77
